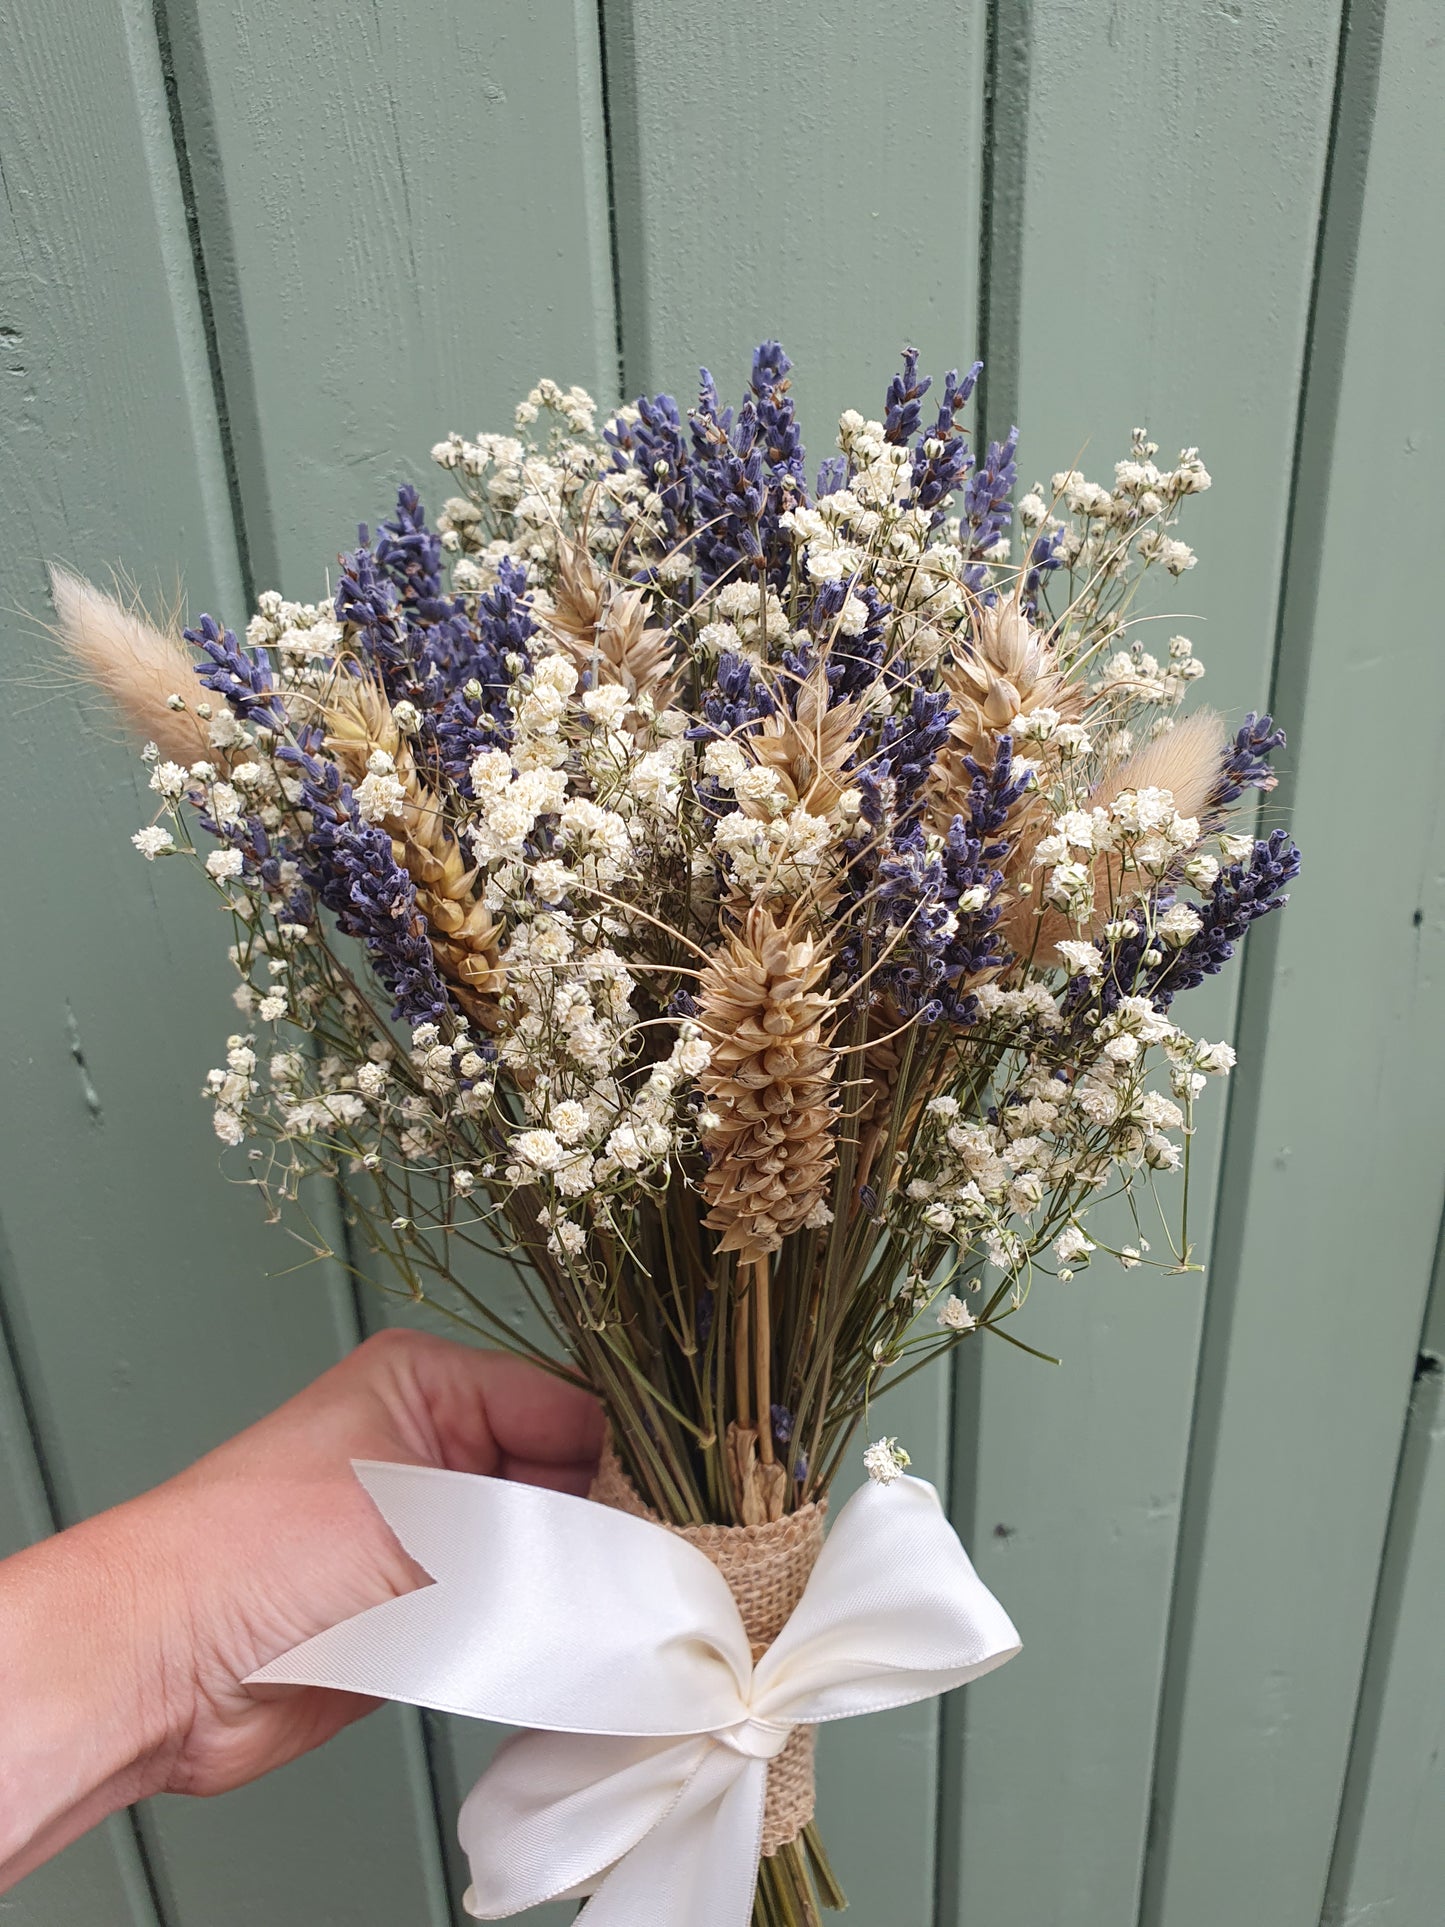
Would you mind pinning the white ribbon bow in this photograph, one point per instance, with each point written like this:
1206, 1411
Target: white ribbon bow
645, 1784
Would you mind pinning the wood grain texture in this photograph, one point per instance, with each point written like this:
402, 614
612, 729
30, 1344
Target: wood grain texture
404, 224
137, 1295
1334, 1167
403, 216
818, 186
1158, 284
401, 219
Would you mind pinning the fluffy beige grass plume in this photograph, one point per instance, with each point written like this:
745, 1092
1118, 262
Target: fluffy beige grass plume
134, 663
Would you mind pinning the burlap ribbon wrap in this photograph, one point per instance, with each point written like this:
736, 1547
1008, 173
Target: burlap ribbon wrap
766, 1568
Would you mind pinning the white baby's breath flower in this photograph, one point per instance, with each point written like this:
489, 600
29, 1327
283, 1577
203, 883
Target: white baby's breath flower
885, 1460
569, 1120
153, 841
1179, 923
169, 779
954, 1315
222, 864
371, 1079
542, 1150
607, 706
1082, 959
1215, 1059
380, 796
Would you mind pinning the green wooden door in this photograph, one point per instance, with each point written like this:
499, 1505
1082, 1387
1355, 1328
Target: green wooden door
256, 258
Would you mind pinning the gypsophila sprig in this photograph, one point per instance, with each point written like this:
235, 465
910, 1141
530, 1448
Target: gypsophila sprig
751, 899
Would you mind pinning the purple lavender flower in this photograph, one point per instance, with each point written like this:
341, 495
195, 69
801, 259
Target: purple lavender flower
1245, 763
903, 404
892, 780
943, 457
411, 554
350, 866
947, 901
737, 698
369, 604
242, 676
988, 499
1043, 559
745, 475
852, 663
654, 445
478, 715
1242, 894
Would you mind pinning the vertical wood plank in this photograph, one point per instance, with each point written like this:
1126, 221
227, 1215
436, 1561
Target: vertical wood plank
142, 1318
1389, 1858
403, 218
1144, 295
1334, 1164
404, 222
826, 193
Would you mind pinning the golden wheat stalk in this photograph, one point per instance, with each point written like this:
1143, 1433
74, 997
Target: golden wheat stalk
605, 628
770, 1085
464, 937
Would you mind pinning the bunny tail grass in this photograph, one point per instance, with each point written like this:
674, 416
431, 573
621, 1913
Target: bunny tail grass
134, 664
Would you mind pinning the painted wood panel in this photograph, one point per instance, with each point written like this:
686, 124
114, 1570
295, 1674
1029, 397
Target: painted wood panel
450, 245
137, 1295
1334, 1163
404, 223
821, 188
1388, 1866
1127, 287
253, 261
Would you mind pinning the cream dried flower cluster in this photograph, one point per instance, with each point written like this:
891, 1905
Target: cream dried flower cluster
753, 902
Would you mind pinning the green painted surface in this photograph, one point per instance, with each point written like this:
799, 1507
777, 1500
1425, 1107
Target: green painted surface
1389, 1859
1069, 1481
399, 220
1334, 1161
136, 1289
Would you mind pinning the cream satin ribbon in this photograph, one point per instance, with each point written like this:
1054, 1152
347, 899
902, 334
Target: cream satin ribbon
644, 1778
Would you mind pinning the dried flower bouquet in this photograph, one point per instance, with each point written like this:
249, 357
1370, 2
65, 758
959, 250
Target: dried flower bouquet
750, 904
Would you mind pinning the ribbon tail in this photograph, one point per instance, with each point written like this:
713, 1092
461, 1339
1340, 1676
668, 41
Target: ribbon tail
497, 1637
698, 1867
555, 1811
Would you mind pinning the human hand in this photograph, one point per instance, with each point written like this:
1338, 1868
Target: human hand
166, 1604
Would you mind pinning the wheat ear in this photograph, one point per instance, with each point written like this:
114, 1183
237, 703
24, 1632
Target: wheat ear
763, 1008
464, 937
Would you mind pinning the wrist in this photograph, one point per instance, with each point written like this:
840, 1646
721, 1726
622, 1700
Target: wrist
90, 1622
